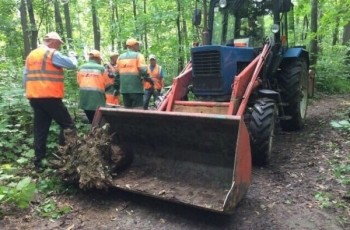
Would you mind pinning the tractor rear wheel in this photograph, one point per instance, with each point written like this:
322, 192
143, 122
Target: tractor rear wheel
293, 82
262, 127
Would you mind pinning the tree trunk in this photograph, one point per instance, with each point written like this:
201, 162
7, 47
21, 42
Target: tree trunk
335, 32
180, 42
24, 24
113, 25
186, 42
118, 29
145, 28
346, 34
313, 28
58, 19
135, 15
33, 28
95, 25
346, 39
134, 9
68, 25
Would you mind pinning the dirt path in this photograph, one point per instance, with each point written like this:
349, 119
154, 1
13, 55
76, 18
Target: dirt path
282, 195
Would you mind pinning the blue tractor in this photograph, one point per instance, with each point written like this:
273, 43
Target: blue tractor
234, 33
220, 113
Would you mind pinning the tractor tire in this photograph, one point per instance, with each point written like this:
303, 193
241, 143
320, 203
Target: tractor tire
293, 82
261, 128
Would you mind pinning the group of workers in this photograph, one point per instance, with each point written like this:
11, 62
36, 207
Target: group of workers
99, 85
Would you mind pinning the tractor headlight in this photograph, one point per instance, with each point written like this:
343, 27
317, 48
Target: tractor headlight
275, 28
222, 3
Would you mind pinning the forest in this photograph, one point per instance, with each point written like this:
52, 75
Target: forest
166, 29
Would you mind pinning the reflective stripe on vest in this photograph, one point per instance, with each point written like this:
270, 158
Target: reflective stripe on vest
91, 80
128, 65
44, 79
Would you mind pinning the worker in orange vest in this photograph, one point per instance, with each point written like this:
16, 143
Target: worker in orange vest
92, 80
132, 69
112, 89
155, 72
43, 80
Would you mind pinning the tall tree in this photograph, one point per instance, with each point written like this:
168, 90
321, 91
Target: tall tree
118, 27
112, 24
58, 19
180, 58
95, 25
33, 28
68, 23
335, 32
145, 27
24, 24
346, 34
313, 28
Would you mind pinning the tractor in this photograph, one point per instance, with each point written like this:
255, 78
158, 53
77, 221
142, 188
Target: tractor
220, 114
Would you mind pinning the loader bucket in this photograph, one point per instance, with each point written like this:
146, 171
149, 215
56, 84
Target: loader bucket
202, 160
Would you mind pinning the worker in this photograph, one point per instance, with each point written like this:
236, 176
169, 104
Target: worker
92, 80
43, 80
155, 72
132, 70
112, 89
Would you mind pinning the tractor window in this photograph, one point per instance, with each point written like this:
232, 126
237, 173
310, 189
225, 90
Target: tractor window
217, 27
223, 26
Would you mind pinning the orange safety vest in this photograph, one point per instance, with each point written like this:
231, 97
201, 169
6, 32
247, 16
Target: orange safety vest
44, 79
155, 75
111, 99
92, 79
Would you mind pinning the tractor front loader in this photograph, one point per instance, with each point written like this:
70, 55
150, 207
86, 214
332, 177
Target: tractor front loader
220, 114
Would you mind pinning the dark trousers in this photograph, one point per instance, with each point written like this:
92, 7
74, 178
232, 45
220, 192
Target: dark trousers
147, 96
133, 100
46, 110
90, 115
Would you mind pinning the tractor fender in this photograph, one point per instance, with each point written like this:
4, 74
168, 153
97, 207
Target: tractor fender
297, 52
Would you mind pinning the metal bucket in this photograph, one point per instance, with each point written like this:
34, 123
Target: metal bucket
202, 160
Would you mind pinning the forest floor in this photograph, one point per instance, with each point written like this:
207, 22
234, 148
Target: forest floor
298, 190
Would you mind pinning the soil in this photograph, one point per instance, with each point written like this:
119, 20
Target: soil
282, 195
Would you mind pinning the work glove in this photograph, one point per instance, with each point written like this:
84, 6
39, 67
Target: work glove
110, 74
73, 54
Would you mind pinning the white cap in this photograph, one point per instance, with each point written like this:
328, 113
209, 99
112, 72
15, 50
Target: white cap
53, 36
132, 41
152, 56
95, 54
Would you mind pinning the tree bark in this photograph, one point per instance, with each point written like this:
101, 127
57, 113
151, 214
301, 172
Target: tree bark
33, 28
24, 24
121, 43
313, 28
346, 34
95, 25
145, 27
179, 37
58, 19
113, 25
68, 24
335, 32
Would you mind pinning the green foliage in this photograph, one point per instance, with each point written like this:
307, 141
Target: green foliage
342, 124
49, 208
342, 172
332, 72
14, 189
323, 199
15, 118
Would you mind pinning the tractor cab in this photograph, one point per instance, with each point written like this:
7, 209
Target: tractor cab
234, 33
